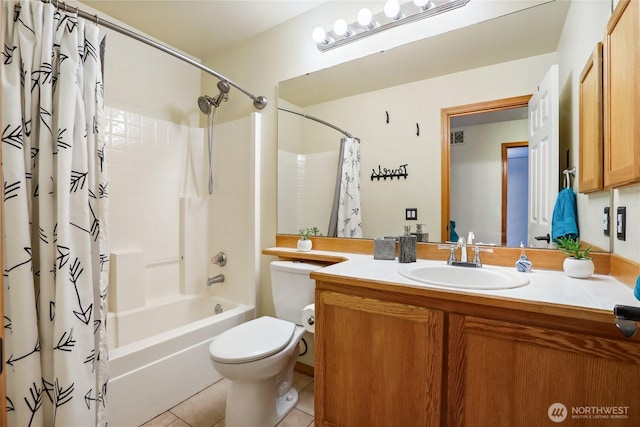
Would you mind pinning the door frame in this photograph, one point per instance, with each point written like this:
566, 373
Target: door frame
505, 148
445, 151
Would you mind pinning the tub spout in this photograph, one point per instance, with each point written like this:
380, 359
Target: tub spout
215, 279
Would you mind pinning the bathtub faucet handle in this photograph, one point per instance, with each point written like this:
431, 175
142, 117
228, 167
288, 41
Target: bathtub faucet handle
219, 259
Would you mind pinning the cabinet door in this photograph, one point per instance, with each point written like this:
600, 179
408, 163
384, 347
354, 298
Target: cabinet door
591, 124
378, 363
622, 96
503, 374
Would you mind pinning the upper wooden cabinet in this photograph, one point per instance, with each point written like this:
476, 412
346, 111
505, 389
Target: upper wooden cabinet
622, 95
591, 124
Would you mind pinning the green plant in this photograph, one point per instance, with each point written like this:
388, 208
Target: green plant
305, 233
571, 247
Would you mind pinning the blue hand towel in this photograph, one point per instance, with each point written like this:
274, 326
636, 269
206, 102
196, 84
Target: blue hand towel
453, 236
564, 221
636, 290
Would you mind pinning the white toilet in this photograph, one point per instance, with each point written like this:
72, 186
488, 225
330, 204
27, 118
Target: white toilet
258, 356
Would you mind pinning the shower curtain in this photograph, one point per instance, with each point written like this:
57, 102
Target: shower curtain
55, 251
346, 214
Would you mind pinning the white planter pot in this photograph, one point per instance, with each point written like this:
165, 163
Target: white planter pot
304, 245
578, 268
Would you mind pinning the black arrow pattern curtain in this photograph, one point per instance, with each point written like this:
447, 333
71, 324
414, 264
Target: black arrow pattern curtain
54, 201
346, 215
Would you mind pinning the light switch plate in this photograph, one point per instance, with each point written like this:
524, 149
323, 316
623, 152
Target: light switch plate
411, 214
621, 223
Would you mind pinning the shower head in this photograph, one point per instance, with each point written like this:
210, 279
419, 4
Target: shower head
205, 102
223, 86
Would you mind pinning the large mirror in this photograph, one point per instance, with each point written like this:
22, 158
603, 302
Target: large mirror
393, 102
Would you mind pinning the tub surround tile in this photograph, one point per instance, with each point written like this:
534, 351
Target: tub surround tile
127, 269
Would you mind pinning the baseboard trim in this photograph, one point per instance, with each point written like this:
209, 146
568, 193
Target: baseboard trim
304, 369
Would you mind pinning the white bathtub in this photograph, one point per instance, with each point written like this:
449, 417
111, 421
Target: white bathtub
151, 375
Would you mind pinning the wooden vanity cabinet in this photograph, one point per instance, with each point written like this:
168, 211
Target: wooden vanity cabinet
622, 95
507, 374
377, 363
397, 356
590, 169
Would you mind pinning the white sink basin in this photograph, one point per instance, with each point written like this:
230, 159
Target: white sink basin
464, 277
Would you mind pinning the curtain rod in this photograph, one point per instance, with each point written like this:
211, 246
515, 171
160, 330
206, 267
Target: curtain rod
259, 102
306, 116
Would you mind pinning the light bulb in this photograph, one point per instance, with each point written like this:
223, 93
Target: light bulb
365, 17
423, 4
392, 9
319, 35
341, 28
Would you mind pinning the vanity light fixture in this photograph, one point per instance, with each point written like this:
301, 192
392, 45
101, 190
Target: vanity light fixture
393, 14
365, 19
392, 10
341, 28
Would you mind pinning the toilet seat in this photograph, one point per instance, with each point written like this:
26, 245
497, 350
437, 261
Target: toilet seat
252, 340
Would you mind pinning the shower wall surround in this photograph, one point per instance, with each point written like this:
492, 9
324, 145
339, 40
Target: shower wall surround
310, 174
152, 164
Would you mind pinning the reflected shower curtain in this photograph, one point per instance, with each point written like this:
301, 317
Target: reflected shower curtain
346, 215
55, 249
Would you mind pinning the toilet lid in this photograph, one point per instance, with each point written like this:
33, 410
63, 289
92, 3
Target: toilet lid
252, 340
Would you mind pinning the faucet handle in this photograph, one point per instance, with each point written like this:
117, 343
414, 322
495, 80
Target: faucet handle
476, 254
452, 252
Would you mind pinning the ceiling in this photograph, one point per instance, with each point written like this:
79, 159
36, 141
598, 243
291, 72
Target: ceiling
202, 28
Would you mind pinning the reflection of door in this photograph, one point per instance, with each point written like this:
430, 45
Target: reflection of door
447, 114
543, 157
515, 192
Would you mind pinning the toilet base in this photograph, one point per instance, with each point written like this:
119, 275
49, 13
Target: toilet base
252, 404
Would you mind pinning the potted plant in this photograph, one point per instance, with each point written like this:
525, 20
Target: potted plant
578, 264
304, 243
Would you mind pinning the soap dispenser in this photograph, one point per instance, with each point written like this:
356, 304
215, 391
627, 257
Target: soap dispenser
407, 246
523, 264
420, 234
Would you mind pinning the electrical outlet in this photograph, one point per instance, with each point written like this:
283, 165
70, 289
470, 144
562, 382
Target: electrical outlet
411, 214
621, 223
606, 227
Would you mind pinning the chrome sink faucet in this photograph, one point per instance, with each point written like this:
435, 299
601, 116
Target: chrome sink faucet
463, 253
464, 260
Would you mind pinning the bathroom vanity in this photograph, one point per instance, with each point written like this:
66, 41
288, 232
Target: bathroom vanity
392, 351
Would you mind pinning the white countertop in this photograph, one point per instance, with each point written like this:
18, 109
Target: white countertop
549, 286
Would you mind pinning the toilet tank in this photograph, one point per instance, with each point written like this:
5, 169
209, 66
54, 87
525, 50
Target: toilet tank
292, 288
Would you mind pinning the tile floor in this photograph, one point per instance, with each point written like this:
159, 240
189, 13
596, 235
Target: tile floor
206, 408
